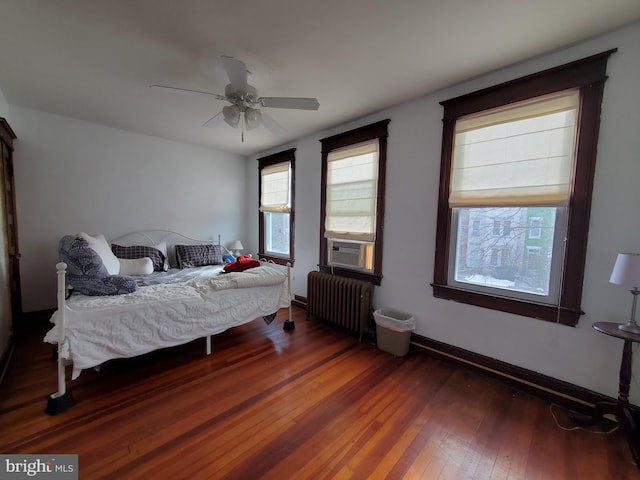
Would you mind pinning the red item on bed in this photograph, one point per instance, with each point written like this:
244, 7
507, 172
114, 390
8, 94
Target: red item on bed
241, 264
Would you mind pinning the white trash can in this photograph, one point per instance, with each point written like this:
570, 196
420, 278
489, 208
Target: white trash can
393, 330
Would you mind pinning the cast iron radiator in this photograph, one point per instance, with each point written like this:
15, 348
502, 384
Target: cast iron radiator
339, 300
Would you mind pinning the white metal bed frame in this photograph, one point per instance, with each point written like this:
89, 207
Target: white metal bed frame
61, 400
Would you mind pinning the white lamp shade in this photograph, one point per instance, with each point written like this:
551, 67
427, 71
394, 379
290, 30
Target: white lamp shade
252, 118
231, 114
626, 270
236, 245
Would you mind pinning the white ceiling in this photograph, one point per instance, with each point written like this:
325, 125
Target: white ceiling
95, 59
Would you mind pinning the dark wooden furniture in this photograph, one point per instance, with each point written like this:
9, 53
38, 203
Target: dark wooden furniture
10, 217
621, 409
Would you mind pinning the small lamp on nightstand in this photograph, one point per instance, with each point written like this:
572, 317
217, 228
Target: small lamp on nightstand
236, 246
626, 272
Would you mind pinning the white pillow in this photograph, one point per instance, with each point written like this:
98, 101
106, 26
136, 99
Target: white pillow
100, 245
136, 266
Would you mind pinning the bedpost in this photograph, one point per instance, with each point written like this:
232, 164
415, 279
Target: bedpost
289, 324
61, 400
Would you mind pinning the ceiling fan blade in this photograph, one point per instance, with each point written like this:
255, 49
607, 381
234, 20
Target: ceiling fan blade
186, 91
237, 72
290, 102
270, 124
214, 121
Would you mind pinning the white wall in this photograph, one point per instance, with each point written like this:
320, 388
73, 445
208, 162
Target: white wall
4, 106
578, 355
74, 176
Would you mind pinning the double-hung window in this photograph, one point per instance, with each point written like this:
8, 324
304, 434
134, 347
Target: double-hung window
353, 172
516, 179
276, 193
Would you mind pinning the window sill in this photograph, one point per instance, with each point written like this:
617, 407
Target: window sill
555, 314
345, 272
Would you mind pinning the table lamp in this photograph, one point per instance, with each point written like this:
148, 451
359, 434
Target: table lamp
236, 246
626, 272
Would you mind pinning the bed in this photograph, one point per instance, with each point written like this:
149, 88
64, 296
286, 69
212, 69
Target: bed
167, 308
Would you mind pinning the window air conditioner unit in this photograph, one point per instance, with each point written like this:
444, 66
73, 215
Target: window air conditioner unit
348, 254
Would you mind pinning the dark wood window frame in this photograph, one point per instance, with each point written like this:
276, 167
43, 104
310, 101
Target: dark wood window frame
280, 157
589, 75
373, 131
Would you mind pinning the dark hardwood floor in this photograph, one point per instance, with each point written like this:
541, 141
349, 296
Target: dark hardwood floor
311, 403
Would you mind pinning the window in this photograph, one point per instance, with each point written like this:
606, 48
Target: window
506, 228
518, 160
276, 193
494, 257
497, 230
475, 229
533, 258
351, 223
535, 227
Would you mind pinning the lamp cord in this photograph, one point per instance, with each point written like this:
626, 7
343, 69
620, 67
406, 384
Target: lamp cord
576, 427
562, 275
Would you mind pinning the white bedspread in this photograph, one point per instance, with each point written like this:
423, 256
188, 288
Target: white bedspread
157, 316
254, 277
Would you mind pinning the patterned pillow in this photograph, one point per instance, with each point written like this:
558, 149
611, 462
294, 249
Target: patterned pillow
87, 274
140, 251
109, 285
198, 255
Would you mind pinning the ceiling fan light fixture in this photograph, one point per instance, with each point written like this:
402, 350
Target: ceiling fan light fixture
252, 118
244, 103
231, 114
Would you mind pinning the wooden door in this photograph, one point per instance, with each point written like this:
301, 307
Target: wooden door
10, 218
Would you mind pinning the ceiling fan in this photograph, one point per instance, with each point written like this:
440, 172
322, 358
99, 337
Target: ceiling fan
245, 104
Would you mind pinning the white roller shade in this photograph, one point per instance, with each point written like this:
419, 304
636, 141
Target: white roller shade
519, 155
352, 188
275, 188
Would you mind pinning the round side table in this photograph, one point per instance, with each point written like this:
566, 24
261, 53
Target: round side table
621, 409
